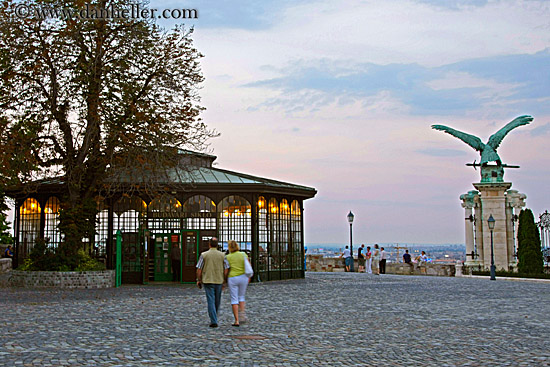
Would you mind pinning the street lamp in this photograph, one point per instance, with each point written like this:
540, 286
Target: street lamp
350, 220
491, 224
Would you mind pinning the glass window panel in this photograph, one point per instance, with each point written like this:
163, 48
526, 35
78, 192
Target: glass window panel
29, 227
200, 212
52, 235
235, 222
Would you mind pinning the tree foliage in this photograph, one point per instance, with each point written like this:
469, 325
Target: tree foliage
530, 259
94, 101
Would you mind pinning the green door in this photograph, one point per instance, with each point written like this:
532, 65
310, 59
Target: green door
163, 244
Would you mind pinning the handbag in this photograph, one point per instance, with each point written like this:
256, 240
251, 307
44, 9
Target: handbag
247, 267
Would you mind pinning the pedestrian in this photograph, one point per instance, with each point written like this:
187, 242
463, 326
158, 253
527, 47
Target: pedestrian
376, 260
407, 260
347, 258
212, 270
368, 260
175, 257
361, 259
422, 259
8, 252
237, 281
383, 258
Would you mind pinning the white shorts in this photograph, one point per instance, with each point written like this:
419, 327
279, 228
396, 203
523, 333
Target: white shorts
237, 288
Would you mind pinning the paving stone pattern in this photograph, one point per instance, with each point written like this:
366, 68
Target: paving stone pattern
326, 319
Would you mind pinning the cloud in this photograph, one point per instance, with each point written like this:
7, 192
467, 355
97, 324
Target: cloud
541, 130
437, 152
512, 82
455, 4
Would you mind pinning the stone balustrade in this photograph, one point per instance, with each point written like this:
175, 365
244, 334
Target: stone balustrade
5, 265
336, 264
62, 279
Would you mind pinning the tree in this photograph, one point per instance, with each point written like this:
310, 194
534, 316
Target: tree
92, 101
530, 259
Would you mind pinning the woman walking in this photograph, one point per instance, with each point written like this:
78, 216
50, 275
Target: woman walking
237, 281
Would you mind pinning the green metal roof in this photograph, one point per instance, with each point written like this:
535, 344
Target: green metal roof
211, 175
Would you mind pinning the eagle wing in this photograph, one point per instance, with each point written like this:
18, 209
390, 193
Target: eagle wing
471, 140
495, 139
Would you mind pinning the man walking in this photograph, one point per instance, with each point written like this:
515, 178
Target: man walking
212, 270
383, 258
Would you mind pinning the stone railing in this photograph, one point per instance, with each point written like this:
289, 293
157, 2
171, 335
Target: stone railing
5, 265
62, 279
336, 264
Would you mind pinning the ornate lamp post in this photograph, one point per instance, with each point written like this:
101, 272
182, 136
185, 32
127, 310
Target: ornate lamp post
491, 224
350, 220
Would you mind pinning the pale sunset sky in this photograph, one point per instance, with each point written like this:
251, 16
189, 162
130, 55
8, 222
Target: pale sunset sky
340, 96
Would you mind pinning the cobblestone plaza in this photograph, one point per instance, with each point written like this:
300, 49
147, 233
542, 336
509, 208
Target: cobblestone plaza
332, 319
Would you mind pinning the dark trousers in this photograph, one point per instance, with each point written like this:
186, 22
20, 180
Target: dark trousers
176, 270
383, 266
213, 297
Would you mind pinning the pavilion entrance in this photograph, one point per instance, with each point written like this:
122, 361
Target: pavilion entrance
190, 242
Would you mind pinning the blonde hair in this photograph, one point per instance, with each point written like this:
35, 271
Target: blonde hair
233, 246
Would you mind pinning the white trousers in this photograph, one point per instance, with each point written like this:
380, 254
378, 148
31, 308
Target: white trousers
237, 288
368, 266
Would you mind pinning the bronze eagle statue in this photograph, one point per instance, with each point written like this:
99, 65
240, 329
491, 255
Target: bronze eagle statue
488, 151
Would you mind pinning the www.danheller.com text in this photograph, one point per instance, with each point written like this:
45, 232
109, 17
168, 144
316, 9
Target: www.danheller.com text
130, 11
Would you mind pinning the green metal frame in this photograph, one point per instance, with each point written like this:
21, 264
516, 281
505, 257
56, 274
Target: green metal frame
118, 276
180, 234
197, 237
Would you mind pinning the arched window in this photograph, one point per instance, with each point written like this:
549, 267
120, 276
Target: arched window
296, 234
29, 227
235, 222
284, 235
263, 238
200, 212
273, 234
130, 211
52, 235
102, 229
165, 214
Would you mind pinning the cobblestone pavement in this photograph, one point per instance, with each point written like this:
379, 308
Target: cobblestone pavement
332, 319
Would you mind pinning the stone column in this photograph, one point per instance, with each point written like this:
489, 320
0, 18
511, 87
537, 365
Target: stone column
468, 205
514, 202
493, 202
478, 216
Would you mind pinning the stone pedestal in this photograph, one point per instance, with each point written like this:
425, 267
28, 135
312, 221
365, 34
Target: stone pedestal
496, 199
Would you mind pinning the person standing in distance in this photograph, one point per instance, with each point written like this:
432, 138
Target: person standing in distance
347, 258
383, 258
212, 270
175, 255
361, 259
368, 259
376, 260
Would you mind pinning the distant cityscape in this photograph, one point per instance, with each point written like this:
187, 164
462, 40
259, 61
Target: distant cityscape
445, 253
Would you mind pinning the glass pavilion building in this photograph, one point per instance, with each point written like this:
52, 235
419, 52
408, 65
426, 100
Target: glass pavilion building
266, 217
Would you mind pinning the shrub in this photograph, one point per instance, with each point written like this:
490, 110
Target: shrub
530, 259
43, 258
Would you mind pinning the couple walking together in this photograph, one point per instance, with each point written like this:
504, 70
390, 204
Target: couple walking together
214, 269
